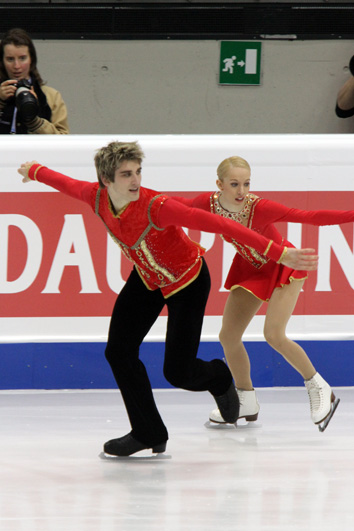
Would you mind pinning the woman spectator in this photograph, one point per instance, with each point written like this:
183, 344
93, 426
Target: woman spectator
39, 109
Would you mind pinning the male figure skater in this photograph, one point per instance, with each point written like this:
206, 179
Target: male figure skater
168, 269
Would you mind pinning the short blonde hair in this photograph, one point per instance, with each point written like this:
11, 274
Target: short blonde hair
231, 162
109, 158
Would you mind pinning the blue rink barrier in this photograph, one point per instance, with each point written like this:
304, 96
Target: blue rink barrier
83, 365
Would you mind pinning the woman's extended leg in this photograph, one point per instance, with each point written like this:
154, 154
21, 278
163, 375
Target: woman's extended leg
239, 310
281, 306
280, 309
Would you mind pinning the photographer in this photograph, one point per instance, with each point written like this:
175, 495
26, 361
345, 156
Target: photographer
345, 97
27, 105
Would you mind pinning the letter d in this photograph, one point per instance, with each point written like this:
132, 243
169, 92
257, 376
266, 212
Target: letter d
34, 252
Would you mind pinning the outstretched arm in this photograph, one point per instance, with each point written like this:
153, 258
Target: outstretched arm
272, 212
201, 200
175, 213
33, 171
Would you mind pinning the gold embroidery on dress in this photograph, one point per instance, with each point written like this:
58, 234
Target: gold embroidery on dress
242, 217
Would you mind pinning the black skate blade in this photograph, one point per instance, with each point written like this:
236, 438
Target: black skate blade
327, 420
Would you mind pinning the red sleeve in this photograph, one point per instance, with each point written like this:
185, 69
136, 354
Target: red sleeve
200, 201
272, 212
175, 213
78, 189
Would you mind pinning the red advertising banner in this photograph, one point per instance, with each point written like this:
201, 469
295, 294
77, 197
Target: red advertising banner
58, 260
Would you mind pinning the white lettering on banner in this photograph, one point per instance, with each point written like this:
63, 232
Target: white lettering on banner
228, 253
295, 234
207, 239
74, 236
113, 267
34, 252
332, 237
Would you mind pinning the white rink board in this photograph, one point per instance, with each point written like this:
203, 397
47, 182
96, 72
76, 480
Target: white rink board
186, 163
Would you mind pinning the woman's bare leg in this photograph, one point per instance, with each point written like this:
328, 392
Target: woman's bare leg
240, 308
280, 309
323, 403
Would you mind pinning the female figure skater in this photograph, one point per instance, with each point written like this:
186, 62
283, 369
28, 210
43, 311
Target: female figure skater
254, 279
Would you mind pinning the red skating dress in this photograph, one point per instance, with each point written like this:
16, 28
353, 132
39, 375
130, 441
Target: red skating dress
250, 269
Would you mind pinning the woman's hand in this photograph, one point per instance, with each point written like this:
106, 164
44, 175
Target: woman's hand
24, 169
8, 89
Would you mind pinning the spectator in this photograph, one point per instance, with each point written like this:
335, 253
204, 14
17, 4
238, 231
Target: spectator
37, 108
345, 97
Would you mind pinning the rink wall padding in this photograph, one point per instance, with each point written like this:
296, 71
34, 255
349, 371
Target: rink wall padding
83, 365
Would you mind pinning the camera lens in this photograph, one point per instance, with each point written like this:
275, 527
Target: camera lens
26, 102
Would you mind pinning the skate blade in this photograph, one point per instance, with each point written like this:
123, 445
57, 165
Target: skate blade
244, 425
133, 457
210, 425
327, 420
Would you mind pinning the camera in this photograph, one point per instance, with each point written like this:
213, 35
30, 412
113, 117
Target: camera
26, 102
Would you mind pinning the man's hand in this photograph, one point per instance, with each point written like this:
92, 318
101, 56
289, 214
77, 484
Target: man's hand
301, 259
24, 169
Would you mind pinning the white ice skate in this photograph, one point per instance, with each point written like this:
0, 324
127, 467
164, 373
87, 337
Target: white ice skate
249, 408
323, 403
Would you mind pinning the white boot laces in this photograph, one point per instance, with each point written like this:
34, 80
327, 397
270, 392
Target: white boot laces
315, 395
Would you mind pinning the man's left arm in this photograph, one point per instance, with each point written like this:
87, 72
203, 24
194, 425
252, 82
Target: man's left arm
175, 213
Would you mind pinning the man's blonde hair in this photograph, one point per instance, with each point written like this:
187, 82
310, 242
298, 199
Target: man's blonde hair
109, 158
235, 162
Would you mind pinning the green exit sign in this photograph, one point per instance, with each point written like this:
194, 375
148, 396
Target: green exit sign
240, 63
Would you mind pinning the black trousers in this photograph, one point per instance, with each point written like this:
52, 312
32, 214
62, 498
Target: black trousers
134, 313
